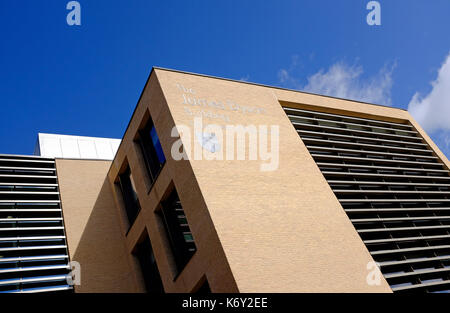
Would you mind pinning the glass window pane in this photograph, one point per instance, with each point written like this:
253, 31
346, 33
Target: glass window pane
157, 145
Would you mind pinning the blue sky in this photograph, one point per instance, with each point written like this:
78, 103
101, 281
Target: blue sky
86, 80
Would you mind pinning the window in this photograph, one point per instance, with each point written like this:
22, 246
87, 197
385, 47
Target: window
151, 149
129, 195
147, 261
178, 231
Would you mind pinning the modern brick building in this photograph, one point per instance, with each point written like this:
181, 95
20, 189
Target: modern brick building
352, 184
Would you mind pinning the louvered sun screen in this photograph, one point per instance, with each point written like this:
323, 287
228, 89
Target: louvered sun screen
393, 188
178, 231
33, 250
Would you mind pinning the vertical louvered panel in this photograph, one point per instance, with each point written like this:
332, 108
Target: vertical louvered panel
33, 249
178, 231
393, 188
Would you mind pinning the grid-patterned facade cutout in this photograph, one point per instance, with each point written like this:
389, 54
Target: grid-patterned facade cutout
394, 189
33, 249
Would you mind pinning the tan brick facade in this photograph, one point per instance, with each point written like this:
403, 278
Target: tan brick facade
273, 231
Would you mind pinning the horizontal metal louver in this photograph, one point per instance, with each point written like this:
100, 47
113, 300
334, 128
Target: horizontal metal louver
33, 249
178, 230
394, 189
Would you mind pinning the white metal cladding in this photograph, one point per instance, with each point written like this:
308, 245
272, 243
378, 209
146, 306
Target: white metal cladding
33, 249
76, 147
394, 189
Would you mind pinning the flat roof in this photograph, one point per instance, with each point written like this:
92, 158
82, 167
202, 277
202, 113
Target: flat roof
76, 147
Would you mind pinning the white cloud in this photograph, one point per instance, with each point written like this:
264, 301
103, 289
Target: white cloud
245, 78
445, 146
346, 81
283, 76
432, 112
442, 139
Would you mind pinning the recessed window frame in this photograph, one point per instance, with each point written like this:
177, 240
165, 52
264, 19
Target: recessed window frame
149, 149
144, 254
127, 187
202, 287
173, 231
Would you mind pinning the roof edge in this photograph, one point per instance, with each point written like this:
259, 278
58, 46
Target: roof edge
269, 86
